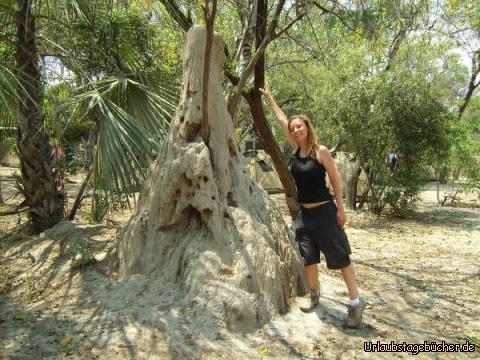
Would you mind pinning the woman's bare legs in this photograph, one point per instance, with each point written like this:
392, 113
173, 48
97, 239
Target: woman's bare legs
350, 278
311, 271
355, 308
312, 276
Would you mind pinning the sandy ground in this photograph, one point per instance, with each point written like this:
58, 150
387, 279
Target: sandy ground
419, 276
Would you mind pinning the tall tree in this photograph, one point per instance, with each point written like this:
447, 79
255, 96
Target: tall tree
121, 90
459, 21
37, 184
473, 82
254, 99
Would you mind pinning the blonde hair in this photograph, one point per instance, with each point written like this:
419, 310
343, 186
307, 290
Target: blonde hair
312, 134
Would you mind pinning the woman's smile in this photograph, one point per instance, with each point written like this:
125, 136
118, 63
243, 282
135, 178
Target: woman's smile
298, 129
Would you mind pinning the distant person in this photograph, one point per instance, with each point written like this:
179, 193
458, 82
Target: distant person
392, 161
58, 154
69, 153
58, 166
319, 222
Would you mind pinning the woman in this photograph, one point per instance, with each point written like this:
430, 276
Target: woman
319, 223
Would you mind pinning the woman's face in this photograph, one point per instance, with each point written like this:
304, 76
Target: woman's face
299, 130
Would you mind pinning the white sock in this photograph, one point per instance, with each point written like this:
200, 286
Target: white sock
355, 301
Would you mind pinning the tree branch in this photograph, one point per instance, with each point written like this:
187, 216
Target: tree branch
398, 39
209, 14
278, 34
312, 52
342, 20
13, 212
234, 79
285, 62
233, 101
475, 70
269, 37
177, 15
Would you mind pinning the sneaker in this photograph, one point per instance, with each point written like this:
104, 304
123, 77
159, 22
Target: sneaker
314, 301
354, 317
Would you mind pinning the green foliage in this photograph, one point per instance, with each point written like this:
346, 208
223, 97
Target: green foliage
11, 141
74, 165
393, 113
399, 191
466, 145
111, 67
100, 204
334, 72
59, 124
132, 120
10, 91
112, 42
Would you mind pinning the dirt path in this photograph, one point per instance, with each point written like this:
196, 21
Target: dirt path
421, 279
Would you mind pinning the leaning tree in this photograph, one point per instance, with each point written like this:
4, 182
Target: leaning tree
201, 221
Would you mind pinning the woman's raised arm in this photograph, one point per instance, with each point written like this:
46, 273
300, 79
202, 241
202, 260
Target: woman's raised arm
280, 115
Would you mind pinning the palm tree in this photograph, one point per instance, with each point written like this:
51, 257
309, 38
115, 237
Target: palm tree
37, 184
130, 112
131, 116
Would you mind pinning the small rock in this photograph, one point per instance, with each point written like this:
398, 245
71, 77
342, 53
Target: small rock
100, 344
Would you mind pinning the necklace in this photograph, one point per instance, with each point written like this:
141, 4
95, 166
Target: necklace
303, 155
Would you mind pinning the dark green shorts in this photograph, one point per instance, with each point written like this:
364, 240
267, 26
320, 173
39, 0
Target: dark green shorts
317, 230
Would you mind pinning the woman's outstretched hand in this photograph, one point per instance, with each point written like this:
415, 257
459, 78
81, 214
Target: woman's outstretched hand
266, 90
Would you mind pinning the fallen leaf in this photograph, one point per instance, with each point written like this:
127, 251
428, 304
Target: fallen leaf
66, 341
263, 350
19, 316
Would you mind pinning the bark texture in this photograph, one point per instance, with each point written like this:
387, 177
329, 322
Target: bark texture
45, 201
201, 222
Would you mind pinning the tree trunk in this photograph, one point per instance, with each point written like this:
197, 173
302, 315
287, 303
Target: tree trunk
90, 147
202, 223
37, 184
4, 161
4, 154
249, 18
364, 197
439, 202
254, 99
351, 188
349, 169
79, 198
92, 140
472, 83
271, 147
456, 172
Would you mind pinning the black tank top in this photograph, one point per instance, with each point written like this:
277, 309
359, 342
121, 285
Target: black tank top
309, 177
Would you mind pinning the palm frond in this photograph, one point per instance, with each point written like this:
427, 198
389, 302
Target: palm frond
8, 86
7, 15
153, 108
124, 149
68, 9
132, 120
8, 111
12, 92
